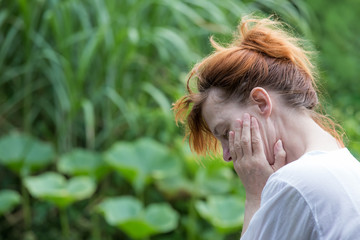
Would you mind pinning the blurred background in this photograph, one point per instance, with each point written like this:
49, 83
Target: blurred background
88, 144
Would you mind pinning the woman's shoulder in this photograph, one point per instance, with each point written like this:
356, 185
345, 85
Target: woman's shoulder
318, 174
326, 186
316, 196
318, 164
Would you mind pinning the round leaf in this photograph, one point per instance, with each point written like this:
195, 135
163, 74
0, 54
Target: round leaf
83, 162
226, 213
8, 200
120, 209
24, 154
12, 150
161, 216
141, 161
156, 158
175, 186
39, 155
122, 157
80, 187
211, 181
128, 214
54, 188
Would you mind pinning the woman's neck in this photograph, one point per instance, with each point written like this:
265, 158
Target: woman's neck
301, 134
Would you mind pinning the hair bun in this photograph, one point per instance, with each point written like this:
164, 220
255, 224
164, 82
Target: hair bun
261, 55
268, 37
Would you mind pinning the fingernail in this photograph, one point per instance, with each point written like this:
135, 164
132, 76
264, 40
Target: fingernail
231, 133
279, 144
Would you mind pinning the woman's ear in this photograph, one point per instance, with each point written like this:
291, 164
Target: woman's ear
261, 98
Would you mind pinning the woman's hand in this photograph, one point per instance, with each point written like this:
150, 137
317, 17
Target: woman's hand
250, 163
247, 152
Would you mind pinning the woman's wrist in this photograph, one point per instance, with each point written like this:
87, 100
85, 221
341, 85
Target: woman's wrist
253, 200
252, 204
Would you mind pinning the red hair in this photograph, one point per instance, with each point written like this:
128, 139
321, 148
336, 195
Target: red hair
261, 55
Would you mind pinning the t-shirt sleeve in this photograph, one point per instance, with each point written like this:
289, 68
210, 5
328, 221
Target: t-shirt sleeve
284, 214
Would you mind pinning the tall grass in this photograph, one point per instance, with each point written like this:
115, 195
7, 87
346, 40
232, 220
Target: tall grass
86, 73
89, 73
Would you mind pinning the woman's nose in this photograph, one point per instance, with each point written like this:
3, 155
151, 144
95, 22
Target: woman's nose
226, 155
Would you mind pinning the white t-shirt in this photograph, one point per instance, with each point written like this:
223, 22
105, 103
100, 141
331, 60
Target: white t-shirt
314, 197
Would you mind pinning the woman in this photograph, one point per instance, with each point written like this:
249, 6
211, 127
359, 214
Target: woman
258, 98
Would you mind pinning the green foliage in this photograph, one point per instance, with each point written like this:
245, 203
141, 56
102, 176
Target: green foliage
142, 161
8, 200
128, 214
335, 33
175, 186
24, 154
214, 181
224, 212
80, 162
53, 187
96, 79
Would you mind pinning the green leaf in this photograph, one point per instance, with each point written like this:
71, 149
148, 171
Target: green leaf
24, 154
211, 181
120, 209
39, 155
142, 161
8, 200
158, 96
89, 119
137, 228
128, 214
162, 216
54, 188
224, 212
83, 162
12, 150
176, 186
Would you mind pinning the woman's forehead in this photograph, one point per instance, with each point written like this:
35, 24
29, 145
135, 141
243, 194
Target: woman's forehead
210, 109
215, 109
213, 103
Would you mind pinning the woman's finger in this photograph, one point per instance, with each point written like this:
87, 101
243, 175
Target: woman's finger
237, 139
279, 155
246, 137
231, 145
257, 146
